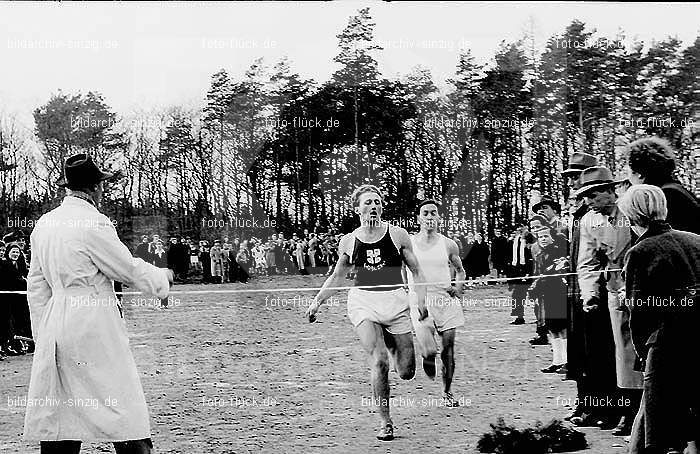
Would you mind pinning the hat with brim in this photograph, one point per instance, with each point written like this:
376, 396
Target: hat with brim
594, 178
578, 162
549, 201
80, 171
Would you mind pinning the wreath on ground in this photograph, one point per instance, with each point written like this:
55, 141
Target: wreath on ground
554, 436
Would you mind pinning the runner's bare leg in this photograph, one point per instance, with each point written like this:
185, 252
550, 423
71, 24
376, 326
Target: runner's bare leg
448, 358
401, 348
372, 341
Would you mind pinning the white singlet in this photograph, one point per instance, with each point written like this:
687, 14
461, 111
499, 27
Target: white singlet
435, 263
445, 310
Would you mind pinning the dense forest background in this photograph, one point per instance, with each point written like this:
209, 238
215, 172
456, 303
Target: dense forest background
272, 146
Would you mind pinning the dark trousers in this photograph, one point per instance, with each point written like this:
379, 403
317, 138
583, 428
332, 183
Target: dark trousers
6, 328
598, 368
234, 271
73, 447
518, 298
539, 316
243, 275
631, 400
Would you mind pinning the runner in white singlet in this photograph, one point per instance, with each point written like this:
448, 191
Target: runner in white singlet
437, 257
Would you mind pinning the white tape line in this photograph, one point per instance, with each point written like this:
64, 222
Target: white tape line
315, 289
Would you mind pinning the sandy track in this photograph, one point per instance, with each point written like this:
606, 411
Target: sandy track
244, 374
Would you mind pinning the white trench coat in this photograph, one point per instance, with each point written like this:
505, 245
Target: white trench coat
84, 384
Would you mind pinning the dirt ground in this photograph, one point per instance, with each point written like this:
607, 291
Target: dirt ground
245, 373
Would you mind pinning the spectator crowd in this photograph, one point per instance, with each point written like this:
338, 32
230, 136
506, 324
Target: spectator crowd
612, 285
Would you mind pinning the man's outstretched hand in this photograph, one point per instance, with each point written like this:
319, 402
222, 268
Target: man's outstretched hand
312, 310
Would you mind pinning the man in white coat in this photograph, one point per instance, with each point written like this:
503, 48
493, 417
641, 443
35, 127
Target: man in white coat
84, 384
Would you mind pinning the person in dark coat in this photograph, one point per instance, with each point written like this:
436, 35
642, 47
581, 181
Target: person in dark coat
482, 256
14, 277
652, 161
142, 250
6, 332
469, 260
550, 293
661, 276
521, 265
243, 261
581, 328
184, 264
205, 260
537, 222
159, 257
174, 256
499, 252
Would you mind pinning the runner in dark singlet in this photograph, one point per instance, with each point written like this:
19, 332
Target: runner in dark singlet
377, 263
380, 315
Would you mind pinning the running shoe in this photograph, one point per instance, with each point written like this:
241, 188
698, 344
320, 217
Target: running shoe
386, 433
449, 400
429, 367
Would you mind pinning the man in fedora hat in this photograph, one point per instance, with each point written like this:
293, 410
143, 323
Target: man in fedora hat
82, 348
578, 162
607, 238
577, 330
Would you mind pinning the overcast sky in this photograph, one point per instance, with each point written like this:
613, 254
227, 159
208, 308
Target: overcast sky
141, 55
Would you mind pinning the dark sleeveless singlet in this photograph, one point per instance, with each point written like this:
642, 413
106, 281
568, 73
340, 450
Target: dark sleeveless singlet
377, 263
